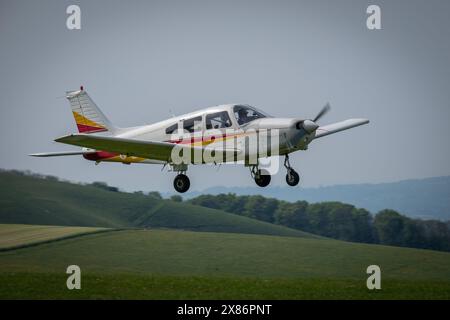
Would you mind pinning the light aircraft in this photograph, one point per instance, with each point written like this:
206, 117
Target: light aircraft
221, 131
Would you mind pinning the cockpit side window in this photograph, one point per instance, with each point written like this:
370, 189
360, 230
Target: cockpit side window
218, 120
193, 124
245, 114
172, 128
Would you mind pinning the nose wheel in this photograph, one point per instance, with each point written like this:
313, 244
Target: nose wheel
292, 177
181, 183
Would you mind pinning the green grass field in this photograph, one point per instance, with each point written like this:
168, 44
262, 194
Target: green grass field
21, 235
160, 264
160, 249
134, 286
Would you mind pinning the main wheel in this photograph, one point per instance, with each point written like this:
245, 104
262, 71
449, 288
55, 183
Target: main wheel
181, 183
292, 178
262, 178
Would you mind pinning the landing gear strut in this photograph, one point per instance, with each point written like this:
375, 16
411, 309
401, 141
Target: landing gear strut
262, 177
292, 177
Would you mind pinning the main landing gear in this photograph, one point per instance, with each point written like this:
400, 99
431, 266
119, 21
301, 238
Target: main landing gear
292, 177
261, 176
181, 182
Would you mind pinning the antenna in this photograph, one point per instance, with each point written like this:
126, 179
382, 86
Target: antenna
171, 113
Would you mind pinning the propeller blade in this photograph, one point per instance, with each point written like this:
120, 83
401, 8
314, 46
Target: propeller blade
322, 112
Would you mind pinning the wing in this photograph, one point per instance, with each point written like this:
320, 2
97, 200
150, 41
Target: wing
59, 154
339, 126
145, 149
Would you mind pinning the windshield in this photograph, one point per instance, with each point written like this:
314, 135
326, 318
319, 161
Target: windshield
245, 114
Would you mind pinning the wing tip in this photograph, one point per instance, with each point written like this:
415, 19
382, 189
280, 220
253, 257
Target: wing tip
365, 121
361, 120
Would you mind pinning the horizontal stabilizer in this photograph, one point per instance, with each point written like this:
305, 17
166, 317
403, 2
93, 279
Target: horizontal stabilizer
60, 154
130, 147
339, 126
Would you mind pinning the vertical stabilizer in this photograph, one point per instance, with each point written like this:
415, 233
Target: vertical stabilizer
88, 117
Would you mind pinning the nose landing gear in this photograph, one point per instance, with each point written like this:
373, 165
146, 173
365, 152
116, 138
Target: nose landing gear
292, 177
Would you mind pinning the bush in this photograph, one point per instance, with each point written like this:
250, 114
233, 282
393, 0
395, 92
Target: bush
176, 198
104, 186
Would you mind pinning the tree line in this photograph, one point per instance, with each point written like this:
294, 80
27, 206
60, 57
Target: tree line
336, 220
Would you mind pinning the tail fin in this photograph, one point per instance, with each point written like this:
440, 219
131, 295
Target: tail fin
88, 117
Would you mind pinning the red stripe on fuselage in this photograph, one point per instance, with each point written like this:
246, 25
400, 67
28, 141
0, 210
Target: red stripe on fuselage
201, 139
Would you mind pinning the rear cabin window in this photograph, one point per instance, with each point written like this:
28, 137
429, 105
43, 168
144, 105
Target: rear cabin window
218, 120
172, 128
193, 124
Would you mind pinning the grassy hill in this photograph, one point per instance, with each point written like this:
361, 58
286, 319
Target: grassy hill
26, 199
181, 264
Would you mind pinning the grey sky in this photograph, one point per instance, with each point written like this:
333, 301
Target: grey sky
138, 59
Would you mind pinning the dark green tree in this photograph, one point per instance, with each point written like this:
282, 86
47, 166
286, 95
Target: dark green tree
176, 198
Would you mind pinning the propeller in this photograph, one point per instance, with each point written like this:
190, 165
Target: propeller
310, 125
322, 112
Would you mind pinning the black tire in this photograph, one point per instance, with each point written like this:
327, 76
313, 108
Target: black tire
292, 178
262, 180
181, 183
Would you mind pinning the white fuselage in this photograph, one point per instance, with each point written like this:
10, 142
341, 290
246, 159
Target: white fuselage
234, 135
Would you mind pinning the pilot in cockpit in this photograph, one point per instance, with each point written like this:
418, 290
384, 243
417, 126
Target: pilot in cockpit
243, 116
